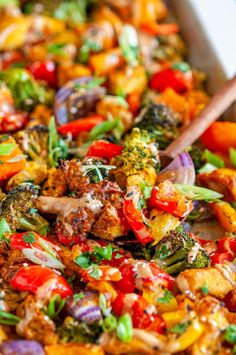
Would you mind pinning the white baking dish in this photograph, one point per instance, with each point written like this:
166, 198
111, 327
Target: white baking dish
209, 29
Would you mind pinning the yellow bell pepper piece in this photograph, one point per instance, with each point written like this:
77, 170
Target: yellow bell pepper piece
186, 339
173, 318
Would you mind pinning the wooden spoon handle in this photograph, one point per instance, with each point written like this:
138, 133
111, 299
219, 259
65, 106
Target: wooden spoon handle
213, 110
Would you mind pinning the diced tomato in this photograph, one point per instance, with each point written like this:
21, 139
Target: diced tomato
139, 274
171, 78
230, 301
127, 283
104, 149
81, 125
70, 240
45, 71
31, 278
220, 258
11, 122
142, 313
167, 198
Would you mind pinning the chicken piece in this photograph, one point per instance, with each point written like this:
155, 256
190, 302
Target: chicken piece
226, 215
33, 171
74, 349
13, 260
55, 184
109, 224
75, 179
34, 325
76, 216
219, 281
221, 180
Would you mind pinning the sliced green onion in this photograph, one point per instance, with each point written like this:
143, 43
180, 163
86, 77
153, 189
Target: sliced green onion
213, 159
41, 257
95, 82
8, 318
7, 148
232, 156
55, 306
182, 66
125, 328
128, 42
4, 228
198, 193
207, 168
102, 128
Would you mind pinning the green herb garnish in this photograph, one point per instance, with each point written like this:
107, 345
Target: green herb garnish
55, 306
166, 298
205, 289
57, 49
7, 148
29, 238
180, 328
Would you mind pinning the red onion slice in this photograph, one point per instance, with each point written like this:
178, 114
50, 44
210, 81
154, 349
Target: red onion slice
180, 171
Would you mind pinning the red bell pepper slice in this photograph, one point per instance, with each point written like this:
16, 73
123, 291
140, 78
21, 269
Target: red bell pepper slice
11, 122
81, 125
30, 278
163, 29
45, 71
136, 219
227, 244
104, 149
166, 198
171, 78
230, 301
220, 258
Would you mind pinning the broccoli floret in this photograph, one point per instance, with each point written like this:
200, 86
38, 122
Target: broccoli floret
26, 91
34, 142
79, 332
161, 122
19, 210
140, 151
179, 251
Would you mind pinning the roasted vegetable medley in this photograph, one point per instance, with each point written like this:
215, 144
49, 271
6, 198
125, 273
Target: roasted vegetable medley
103, 249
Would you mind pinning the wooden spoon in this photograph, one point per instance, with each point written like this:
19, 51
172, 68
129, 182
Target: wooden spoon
218, 104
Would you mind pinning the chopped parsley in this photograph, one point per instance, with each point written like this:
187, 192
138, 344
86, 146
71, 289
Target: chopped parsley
93, 83
57, 49
205, 289
180, 328
166, 298
29, 237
